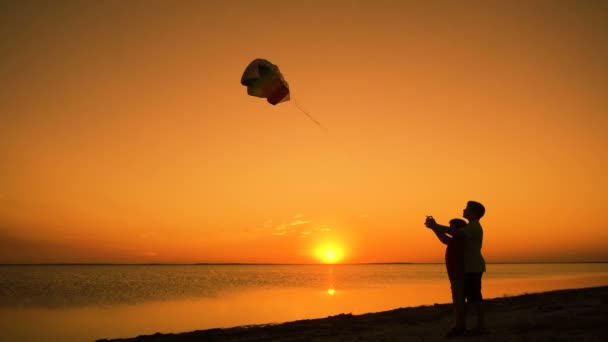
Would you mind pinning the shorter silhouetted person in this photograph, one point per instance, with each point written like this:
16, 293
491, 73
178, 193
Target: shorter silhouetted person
474, 264
454, 263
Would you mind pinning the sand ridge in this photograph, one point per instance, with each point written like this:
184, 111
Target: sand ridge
563, 315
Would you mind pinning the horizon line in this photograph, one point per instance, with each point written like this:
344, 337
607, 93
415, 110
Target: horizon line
279, 264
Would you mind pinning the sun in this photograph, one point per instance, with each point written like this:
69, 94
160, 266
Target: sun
329, 254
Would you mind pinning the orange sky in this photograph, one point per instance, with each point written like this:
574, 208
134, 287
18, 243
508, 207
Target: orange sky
125, 135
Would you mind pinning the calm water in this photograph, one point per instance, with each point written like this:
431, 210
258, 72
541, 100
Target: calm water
84, 303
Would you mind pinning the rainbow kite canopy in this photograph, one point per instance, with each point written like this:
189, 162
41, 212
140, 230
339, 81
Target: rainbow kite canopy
263, 79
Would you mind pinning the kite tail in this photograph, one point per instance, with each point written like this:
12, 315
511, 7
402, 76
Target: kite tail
298, 106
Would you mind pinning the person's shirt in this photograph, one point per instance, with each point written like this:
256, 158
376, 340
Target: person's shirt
454, 257
473, 240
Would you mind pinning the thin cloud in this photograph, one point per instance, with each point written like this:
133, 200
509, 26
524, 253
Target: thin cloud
298, 222
281, 228
292, 226
323, 228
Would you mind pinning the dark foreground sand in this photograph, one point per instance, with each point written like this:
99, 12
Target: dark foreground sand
565, 315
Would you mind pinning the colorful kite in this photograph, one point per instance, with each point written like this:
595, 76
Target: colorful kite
263, 79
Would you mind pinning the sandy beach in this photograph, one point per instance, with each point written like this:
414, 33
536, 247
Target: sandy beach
564, 315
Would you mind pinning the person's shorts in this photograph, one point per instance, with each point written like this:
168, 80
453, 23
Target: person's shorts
472, 287
457, 287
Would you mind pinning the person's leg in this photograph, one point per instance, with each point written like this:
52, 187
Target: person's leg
458, 301
457, 287
473, 294
479, 312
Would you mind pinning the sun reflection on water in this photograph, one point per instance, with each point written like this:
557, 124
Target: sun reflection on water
331, 290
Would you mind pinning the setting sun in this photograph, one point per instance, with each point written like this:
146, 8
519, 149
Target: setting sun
329, 254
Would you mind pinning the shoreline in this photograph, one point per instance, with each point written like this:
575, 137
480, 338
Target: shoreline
560, 315
296, 264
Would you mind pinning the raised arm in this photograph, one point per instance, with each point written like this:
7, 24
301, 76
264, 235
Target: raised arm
444, 238
437, 228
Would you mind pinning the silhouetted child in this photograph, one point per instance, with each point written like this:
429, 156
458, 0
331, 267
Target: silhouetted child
454, 263
474, 264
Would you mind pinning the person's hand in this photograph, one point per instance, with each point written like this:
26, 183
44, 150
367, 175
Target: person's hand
430, 222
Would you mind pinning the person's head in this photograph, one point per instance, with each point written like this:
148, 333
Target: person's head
473, 211
457, 223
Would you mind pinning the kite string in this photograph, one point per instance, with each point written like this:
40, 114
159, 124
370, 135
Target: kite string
298, 106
